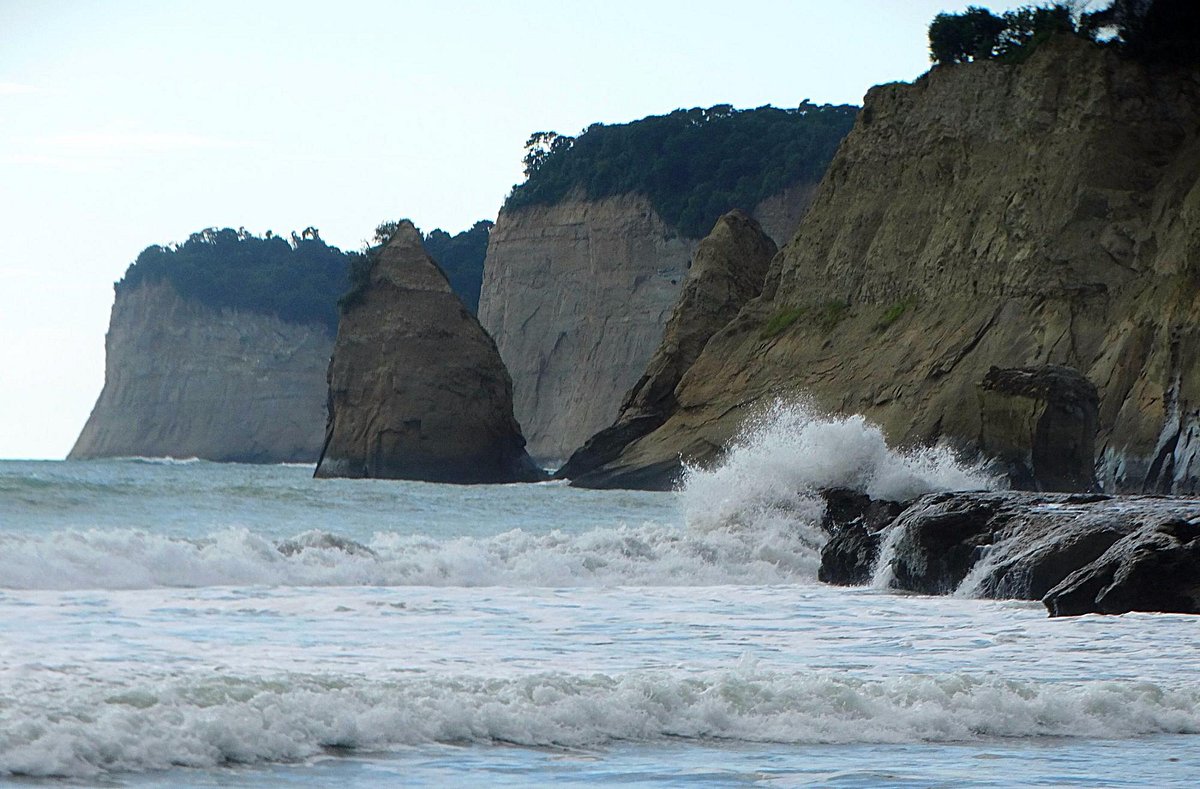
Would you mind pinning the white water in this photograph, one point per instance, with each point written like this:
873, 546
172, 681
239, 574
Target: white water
153, 633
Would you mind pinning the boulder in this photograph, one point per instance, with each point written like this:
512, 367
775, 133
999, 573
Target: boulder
1078, 553
416, 386
1156, 568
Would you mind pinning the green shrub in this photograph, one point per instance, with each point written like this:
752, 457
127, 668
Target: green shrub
893, 314
781, 322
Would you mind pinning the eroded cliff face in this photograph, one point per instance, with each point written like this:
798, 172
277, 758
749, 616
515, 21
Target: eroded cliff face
184, 380
987, 215
416, 387
577, 294
727, 271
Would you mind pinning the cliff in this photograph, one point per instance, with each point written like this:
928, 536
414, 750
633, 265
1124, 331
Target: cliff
727, 271
186, 380
1046, 213
576, 295
416, 387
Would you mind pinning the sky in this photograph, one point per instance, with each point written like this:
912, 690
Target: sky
125, 124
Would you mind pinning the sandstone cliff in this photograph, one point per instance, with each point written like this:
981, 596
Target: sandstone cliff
576, 295
186, 380
416, 387
727, 271
989, 214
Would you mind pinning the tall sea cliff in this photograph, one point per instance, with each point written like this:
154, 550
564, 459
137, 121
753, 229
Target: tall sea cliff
589, 255
183, 379
987, 215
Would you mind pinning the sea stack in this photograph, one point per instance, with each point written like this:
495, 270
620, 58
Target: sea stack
416, 386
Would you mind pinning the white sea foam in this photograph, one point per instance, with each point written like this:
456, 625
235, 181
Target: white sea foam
90, 730
650, 555
772, 473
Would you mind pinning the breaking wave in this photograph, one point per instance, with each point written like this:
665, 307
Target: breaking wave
201, 723
772, 473
647, 555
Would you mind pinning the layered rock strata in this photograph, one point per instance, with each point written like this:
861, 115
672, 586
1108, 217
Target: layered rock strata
1046, 213
727, 271
416, 386
185, 380
576, 295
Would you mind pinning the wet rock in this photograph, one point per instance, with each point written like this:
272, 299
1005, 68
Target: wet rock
1156, 568
1079, 553
854, 522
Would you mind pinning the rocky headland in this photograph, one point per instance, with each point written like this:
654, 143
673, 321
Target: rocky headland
1043, 214
727, 271
416, 386
588, 257
183, 379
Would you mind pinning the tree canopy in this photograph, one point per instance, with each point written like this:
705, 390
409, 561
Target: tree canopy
298, 281
461, 258
1150, 30
693, 165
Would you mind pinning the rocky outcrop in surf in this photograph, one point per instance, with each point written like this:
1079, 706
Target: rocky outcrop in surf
416, 387
185, 379
1077, 553
726, 272
988, 215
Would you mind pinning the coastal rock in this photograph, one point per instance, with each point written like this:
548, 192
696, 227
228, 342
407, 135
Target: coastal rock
726, 272
577, 295
989, 214
1079, 553
1156, 568
854, 522
416, 387
1041, 422
185, 380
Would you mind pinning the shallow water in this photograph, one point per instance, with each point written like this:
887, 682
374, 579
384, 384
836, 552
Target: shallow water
153, 634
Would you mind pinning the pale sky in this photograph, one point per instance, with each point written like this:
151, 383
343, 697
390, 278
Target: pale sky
125, 124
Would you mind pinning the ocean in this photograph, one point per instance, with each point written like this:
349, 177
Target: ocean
192, 624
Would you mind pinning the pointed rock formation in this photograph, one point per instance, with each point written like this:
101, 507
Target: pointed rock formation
416, 386
728, 270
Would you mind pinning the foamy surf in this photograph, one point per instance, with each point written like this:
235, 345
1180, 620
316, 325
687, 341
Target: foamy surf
92, 730
646, 555
773, 471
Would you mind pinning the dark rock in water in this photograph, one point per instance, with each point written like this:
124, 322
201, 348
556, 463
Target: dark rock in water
1079, 553
1157, 568
941, 539
728, 270
854, 522
1041, 422
416, 386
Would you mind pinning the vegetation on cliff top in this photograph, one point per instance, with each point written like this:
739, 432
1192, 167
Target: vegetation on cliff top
298, 282
693, 165
1161, 31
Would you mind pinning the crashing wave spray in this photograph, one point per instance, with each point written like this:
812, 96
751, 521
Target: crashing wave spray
770, 478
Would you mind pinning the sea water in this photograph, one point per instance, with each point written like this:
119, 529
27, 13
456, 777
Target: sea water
167, 623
